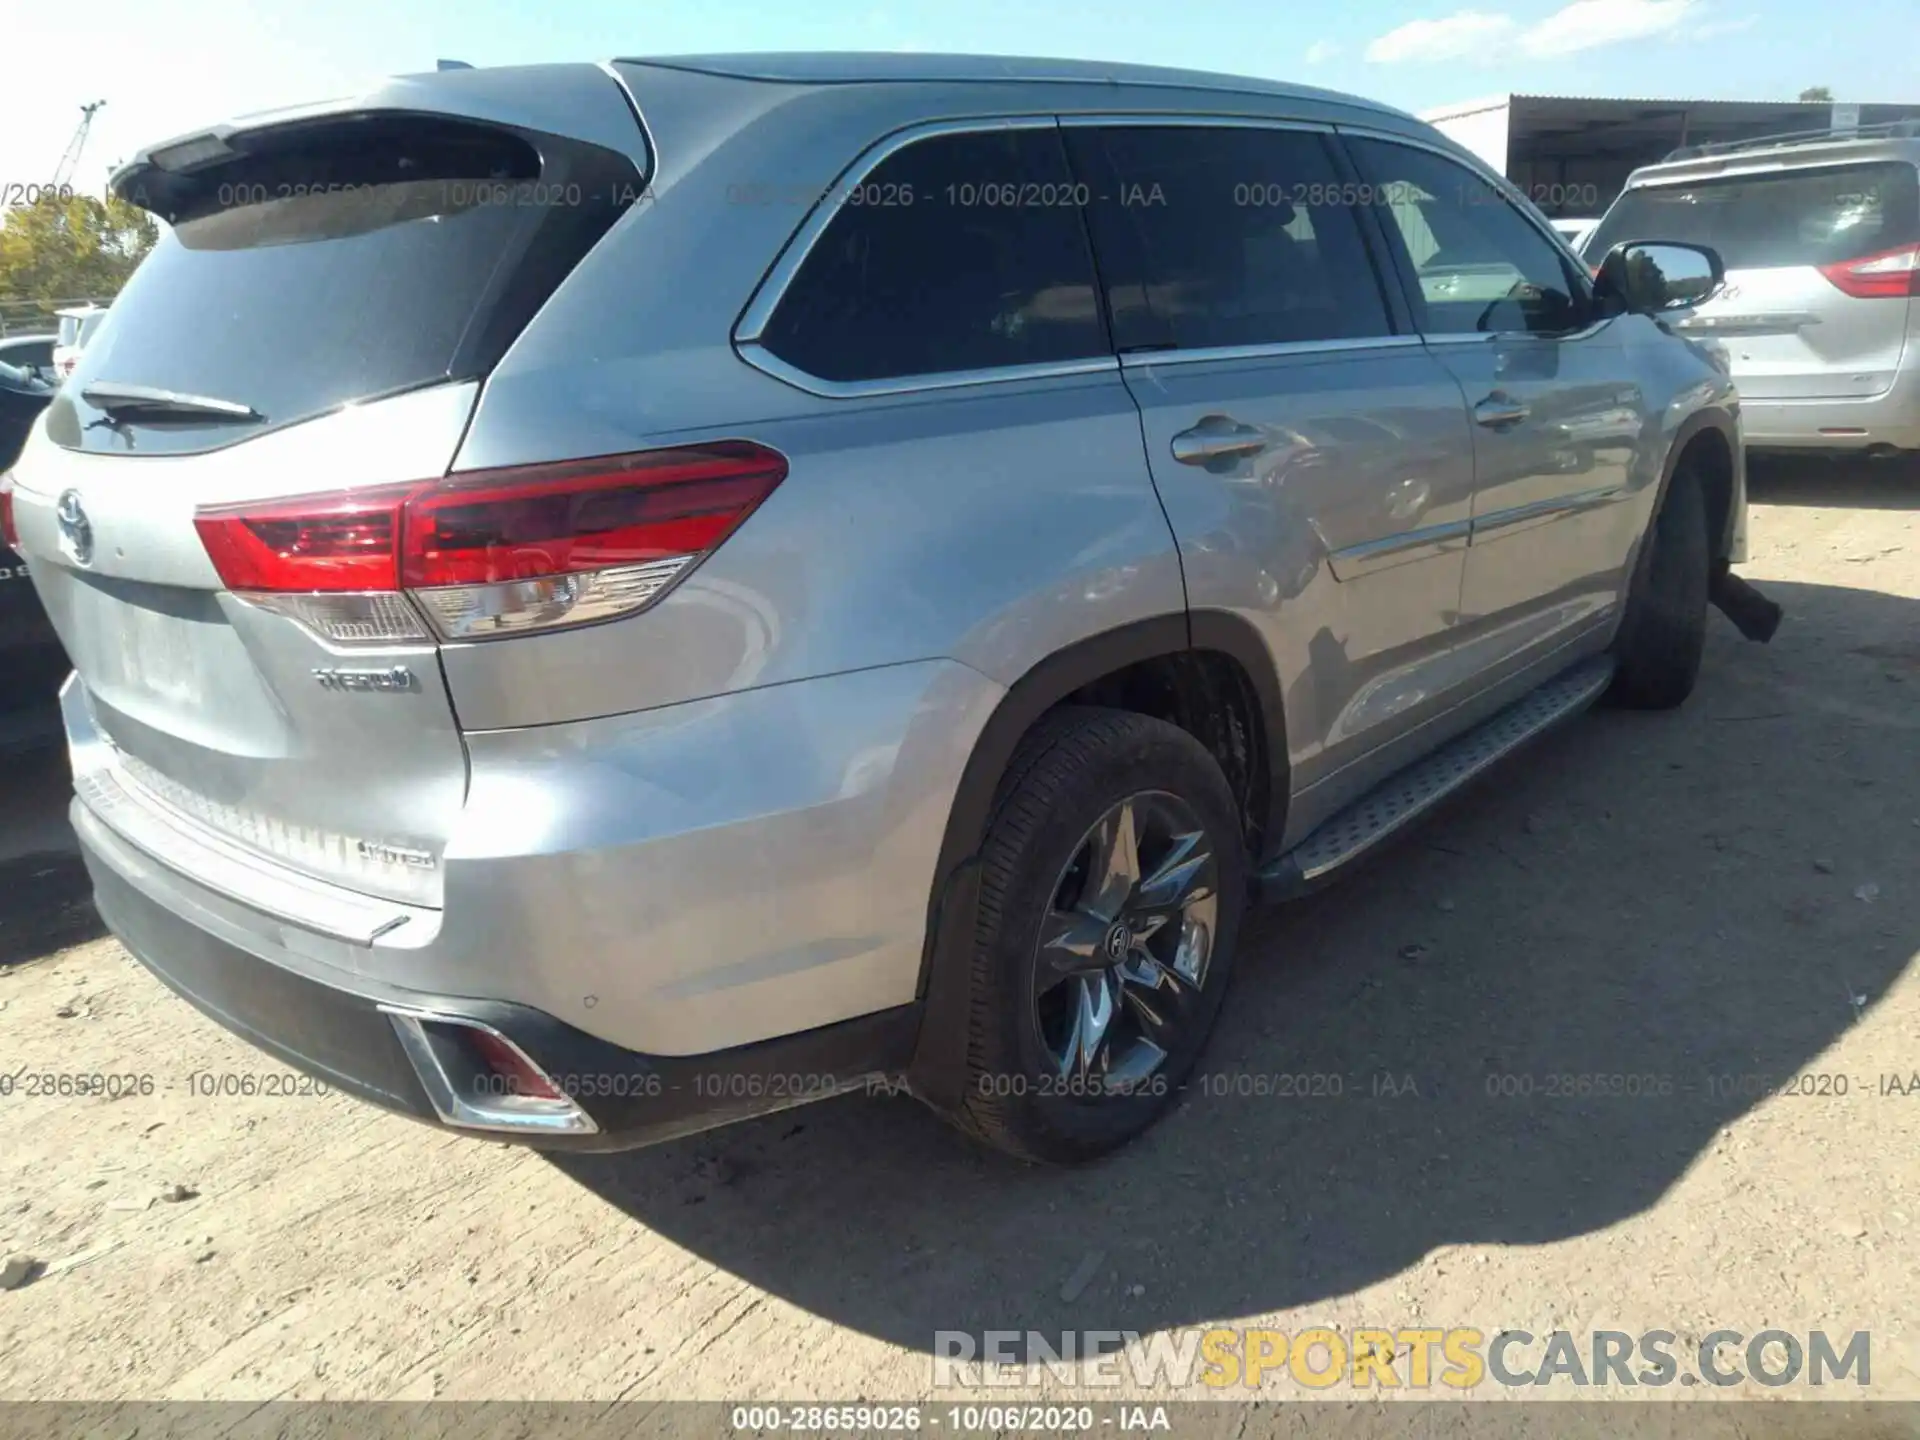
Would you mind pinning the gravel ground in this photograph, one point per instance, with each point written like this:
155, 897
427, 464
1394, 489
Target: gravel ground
1730, 891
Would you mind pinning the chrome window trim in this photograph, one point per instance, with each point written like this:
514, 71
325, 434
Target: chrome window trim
609, 69
769, 363
1191, 119
1489, 337
1146, 359
766, 299
751, 325
1541, 509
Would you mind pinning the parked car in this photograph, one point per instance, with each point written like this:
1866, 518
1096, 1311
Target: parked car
1821, 237
76, 328
904, 646
23, 395
33, 353
31, 661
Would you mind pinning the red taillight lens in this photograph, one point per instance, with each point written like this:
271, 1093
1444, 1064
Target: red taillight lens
519, 1075
523, 524
497, 552
1888, 275
349, 541
8, 534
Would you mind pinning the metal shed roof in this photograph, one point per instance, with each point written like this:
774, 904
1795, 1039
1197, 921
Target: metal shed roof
1604, 127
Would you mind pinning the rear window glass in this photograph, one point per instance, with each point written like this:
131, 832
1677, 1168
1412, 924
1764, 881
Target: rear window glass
339, 263
1786, 217
961, 252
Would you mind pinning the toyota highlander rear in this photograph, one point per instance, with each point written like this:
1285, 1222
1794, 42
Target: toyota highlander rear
251, 523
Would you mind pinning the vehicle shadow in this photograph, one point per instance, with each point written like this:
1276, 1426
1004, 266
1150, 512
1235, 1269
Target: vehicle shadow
1835, 483
1669, 899
46, 899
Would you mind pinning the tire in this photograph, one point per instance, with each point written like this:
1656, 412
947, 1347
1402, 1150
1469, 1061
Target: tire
1046, 1079
1664, 631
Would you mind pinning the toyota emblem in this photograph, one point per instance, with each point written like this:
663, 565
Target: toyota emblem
76, 531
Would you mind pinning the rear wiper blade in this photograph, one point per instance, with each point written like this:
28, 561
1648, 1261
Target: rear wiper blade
115, 398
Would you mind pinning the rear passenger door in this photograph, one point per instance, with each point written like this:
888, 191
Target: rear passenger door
1314, 460
1552, 389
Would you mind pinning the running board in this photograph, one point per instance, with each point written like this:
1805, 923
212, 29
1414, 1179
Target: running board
1411, 792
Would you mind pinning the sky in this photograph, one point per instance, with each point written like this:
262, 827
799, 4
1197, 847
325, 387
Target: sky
168, 66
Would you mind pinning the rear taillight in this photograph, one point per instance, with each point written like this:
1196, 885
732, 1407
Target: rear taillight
8, 534
349, 541
1888, 275
502, 551
493, 552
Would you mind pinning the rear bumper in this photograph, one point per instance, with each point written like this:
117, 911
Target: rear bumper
345, 1037
1892, 419
677, 882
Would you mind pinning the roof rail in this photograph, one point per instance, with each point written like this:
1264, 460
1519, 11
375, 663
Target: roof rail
1889, 129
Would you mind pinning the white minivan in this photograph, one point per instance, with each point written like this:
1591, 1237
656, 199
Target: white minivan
1820, 313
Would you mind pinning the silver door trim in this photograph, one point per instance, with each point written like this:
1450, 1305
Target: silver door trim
1498, 520
1389, 550
1145, 359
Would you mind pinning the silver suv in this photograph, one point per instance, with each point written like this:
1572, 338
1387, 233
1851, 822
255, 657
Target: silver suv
1821, 238
611, 598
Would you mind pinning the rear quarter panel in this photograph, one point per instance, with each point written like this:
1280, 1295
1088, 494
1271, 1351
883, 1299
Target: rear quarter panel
990, 524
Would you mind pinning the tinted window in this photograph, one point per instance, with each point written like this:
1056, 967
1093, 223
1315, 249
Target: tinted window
345, 261
1788, 217
1228, 236
961, 252
36, 352
1480, 266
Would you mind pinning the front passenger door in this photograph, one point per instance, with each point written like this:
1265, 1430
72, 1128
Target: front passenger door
1551, 389
1313, 459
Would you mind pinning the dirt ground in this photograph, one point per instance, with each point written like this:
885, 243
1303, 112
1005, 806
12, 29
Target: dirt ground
1726, 897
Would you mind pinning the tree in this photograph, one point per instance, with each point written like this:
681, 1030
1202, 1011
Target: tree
69, 248
1817, 94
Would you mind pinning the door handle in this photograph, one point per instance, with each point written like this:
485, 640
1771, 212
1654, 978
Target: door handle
1499, 410
1217, 437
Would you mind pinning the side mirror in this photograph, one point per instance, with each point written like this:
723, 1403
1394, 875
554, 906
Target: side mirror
1649, 276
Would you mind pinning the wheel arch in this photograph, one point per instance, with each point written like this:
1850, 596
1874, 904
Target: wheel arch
1209, 663
1710, 440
